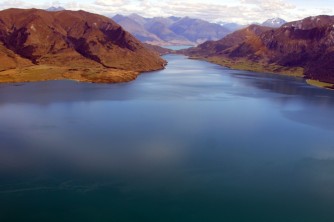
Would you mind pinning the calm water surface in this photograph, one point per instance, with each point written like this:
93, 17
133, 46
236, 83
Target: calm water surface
178, 47
194, 142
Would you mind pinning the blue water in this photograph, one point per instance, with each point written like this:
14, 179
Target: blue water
178, 47
193, 142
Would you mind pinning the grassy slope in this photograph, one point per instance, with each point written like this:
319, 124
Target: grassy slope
320, 84
244, 64
46, 72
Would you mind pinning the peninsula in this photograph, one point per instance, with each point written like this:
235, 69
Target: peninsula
39, 45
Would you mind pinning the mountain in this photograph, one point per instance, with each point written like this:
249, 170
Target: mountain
274, 22
197, 30
302, 48
163, 31
231, 26
171, 30
137, 18
42, 45
137, 29
55, 9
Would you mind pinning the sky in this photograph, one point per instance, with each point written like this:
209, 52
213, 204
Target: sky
239, 11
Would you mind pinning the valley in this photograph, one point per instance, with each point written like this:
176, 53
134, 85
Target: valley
215, 112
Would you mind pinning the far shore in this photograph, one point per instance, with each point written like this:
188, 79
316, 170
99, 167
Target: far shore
243, 64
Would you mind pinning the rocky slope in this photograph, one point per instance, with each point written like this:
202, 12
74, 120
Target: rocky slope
301, 48
42, 45
231, 42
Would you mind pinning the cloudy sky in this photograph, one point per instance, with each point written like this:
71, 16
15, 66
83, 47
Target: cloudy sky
241, 11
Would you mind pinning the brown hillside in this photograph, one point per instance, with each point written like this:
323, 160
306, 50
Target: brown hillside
304, 47
231, 41
83, 45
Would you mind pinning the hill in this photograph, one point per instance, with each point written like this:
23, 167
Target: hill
301, 48
43, 45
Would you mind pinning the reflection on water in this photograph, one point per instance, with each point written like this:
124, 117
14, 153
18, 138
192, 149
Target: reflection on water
194, 142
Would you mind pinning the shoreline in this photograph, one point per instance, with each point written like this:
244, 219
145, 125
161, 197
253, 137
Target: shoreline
247, 65
39, 73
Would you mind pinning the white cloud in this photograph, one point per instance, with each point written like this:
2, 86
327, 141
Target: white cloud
242, 11
111, 3
14, 4
269, 5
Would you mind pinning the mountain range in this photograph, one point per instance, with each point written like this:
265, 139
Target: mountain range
42, 45
171, 30
60, 44
303, 48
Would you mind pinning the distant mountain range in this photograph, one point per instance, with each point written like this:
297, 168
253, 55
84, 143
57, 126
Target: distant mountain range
232, 26
171, 30
302, 48
55, 9
180, 30
40, 45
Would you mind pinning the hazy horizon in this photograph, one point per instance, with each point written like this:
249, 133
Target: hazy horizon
241, 11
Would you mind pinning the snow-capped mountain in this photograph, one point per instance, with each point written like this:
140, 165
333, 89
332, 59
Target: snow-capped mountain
274, 22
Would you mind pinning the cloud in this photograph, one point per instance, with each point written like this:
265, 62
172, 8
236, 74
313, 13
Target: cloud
14, 4
249, 10
112, 3
269, 5
241, 11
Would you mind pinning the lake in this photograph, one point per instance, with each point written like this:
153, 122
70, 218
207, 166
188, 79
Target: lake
193, 142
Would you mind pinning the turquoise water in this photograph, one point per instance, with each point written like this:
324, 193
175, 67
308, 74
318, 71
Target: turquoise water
194, 142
